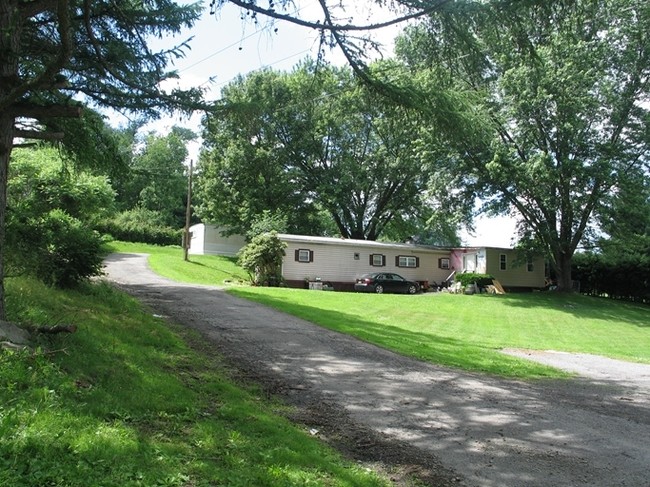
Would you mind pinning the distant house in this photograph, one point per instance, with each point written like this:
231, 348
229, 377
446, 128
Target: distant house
340, 261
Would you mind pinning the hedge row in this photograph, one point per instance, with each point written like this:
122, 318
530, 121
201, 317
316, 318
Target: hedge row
626, 277
150, 234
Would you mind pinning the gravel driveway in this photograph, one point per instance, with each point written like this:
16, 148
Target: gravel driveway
447, 426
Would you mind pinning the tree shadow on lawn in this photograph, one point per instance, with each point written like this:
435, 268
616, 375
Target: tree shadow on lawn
578, 306
427, 347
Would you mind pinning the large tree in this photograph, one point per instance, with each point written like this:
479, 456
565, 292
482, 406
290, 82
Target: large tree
315, 139
55, 52
553, 110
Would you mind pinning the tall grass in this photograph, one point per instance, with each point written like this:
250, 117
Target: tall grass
125, 402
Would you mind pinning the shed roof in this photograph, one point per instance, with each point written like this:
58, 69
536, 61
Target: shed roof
359, 243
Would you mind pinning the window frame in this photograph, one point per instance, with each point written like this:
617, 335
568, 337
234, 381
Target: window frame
503, 262
444, 263
382, 259
299, 253
407, 259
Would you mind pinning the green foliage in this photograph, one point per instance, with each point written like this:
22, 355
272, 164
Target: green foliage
158, 177
262, 259
40, 180
626, 219
59, 249
323, 144
97, 52
92, 144
554, 109
468, 278
49, 228
267, 222
141, 225
625, 276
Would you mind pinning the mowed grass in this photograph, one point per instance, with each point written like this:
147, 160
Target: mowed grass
200, 269
454, 330
126, 402
469, 331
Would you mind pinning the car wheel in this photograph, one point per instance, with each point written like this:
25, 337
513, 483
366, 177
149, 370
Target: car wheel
379, 289
412, 289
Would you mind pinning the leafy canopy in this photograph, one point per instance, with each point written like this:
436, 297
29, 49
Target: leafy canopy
553, 113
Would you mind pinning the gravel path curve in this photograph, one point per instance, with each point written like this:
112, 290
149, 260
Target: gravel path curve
467, 429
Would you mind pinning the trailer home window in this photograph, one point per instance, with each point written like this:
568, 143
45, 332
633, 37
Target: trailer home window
407, 261
304, 255
377, 260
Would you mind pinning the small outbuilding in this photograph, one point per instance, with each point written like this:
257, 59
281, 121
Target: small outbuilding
210, 240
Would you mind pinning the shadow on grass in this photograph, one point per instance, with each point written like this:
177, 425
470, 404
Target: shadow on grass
579, 306
422, 346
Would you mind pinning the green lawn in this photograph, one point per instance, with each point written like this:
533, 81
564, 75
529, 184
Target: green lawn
125, 402
455, 330
468, 331
201, 269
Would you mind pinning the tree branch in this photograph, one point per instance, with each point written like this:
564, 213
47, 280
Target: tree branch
35, 134
330, 26
29, 110
30, 9
47, 76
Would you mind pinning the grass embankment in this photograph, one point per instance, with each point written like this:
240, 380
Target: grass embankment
455, 330
125, 402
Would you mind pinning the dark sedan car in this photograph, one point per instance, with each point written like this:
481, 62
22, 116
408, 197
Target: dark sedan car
385, 282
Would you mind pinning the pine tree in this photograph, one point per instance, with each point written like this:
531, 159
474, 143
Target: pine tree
56, 52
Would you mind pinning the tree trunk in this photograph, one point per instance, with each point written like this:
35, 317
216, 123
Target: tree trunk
563, 269
10, 30
6, 142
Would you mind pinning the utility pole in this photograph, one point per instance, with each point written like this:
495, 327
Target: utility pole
188, 214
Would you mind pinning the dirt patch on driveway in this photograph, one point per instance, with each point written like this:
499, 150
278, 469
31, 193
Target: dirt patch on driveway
446, 426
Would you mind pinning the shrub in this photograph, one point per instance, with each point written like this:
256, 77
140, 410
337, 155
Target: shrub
622, 277
468, 278
56, 248
262, 259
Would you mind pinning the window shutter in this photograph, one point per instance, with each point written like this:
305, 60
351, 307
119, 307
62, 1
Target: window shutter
297, 255
397, 261
311, 256
417, 261
371, 259
439, 263
383, 260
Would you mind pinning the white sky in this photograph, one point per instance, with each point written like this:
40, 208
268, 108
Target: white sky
224, 47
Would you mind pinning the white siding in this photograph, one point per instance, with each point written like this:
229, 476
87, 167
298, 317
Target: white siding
335, 261
207, 239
